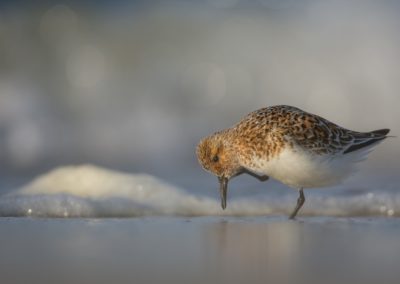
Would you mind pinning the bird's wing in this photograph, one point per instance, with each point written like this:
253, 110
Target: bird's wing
321, 136
363, 140
318, 135
311, 132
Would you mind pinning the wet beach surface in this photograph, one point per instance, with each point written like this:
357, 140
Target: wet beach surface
86, 224
200, 250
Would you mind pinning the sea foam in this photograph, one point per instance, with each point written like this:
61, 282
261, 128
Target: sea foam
88, 191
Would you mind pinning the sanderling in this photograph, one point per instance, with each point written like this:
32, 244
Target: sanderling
300, 149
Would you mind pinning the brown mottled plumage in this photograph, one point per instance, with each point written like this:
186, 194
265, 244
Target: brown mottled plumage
300, 149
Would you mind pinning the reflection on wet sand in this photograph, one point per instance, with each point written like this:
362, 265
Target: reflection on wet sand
199, 250
326, 251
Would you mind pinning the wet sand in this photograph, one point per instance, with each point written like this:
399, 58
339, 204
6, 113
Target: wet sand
200, 250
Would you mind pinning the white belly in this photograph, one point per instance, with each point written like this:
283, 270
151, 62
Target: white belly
300, 169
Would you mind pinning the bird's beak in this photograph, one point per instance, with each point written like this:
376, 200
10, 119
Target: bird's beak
223, 188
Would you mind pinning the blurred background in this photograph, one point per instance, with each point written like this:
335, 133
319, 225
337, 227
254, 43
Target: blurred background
134, 85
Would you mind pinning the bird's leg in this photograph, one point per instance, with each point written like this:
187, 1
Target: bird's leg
300, 202
259, 177
246, 171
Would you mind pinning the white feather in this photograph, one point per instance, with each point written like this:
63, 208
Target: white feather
298, 168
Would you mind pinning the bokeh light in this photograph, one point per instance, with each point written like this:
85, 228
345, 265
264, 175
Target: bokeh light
134, 85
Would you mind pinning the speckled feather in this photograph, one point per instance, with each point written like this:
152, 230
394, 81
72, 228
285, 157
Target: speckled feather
268, 129
261, 137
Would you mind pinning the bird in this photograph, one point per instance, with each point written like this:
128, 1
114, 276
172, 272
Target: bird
300, 149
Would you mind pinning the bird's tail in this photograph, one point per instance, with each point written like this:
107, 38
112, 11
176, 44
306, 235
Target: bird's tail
366, 140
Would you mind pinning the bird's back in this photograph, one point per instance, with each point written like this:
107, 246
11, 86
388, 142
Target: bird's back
309, 131
302, 149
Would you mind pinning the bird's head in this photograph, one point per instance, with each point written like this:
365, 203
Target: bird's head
217, 156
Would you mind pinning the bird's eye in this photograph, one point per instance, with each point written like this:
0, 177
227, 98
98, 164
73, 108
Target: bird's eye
215, 159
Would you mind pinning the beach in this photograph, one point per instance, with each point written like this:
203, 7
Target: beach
200, 250
88, 224
102, 105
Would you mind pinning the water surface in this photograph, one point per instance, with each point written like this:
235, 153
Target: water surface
200, 250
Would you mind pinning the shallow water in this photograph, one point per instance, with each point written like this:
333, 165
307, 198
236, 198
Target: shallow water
200, 250
71, 225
